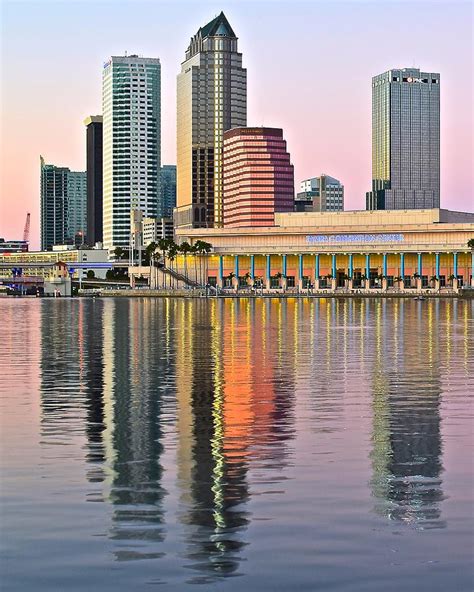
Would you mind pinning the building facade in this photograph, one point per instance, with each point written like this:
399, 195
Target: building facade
39, 263
77, 206
168, 190
405, 141
13, 246
320, 194
63, 203
131, 144
156, 228
94, 158
211, 98
258, 177
373, 249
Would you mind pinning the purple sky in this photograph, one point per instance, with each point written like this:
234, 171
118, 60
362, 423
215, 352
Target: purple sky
309, 71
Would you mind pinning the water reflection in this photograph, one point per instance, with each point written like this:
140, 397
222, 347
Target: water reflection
406, 390
230, 412
214, 392
136, 363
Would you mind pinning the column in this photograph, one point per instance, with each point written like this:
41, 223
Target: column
316, 272
419, 271
472, 268
334, 272
401, 284
384, 273
455, 272
236, 271
367, 270
350, 272
284, 269
351, 265
437, 282
220, 274
252, 268
300, 271
268, 268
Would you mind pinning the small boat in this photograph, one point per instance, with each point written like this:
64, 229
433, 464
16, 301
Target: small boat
420, 298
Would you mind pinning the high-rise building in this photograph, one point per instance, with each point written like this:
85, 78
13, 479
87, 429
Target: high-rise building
94, 178
131, 144
320, 194
77, 206
211, 98
168, 190
258, 176
63, 196
405, 141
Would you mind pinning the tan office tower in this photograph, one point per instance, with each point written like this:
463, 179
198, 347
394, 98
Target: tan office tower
211, 98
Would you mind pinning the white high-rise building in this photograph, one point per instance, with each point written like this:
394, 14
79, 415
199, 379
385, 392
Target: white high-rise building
131, 143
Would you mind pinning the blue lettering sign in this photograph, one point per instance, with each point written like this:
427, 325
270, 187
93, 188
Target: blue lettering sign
317, 239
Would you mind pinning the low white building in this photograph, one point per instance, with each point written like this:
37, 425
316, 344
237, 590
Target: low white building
156, 228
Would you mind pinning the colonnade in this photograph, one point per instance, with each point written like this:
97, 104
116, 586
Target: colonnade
430, 270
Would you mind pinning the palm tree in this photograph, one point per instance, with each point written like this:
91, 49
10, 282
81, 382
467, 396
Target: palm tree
206, 248
185, 248
247, 277
172, 252
163, 246
451, 278
231, 276
470, 243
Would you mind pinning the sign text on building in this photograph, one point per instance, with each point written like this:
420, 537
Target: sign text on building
354, 238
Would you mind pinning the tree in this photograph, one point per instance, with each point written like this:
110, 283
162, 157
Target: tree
163, 245
470, 243
119, 253
90, 274
172, 252
452, 277
185, 248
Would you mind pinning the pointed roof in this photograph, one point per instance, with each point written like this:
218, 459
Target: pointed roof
219, 26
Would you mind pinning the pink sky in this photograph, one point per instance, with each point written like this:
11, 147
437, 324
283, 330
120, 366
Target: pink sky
309, 71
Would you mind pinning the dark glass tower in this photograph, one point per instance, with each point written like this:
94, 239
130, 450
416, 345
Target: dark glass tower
405, 141
94, 178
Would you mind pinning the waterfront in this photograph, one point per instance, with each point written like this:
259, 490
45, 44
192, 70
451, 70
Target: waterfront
275, 444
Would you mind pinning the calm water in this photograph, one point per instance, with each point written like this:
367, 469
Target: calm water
237, 445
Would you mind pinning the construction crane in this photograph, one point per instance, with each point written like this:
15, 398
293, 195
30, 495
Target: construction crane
26, 231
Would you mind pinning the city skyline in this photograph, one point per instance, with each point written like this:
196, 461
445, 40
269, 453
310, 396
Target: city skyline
302, 110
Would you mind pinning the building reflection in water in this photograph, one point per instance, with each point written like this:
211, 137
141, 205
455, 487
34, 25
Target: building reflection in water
407, 449
231, 419
137, 370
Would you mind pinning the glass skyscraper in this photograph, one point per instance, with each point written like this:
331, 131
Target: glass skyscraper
405, 141
211, 98
168, 190
63, 195
94, 157
131, 144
